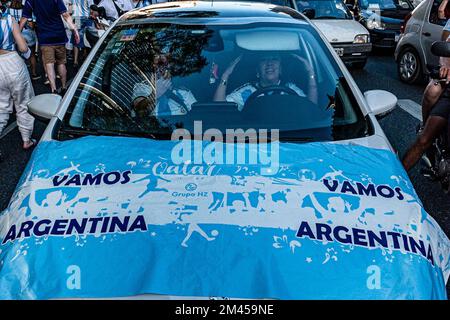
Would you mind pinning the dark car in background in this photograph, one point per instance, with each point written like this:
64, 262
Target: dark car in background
383, 19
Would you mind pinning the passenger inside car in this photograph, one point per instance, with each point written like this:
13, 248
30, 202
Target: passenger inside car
170, 100
268, 75
151, 80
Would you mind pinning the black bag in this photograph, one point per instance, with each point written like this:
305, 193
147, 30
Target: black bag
120, 12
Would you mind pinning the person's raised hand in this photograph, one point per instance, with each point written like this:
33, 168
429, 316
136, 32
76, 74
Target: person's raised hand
226, 74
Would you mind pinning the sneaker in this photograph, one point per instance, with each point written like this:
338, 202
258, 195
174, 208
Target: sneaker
47, 81
35, 77
58, 77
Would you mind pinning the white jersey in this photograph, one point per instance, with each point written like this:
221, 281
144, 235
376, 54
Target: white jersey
81, 8
241, 94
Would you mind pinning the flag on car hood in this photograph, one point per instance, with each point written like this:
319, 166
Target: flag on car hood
110, 216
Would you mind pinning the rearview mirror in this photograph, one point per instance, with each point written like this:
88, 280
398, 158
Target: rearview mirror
309, 13
380, 102
441, 49
44, 105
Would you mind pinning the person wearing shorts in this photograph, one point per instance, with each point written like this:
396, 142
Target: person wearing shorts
51, 36
80, 15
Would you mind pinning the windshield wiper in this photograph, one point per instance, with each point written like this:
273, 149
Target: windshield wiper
105, 132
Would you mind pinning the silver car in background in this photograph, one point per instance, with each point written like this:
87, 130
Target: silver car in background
413, 52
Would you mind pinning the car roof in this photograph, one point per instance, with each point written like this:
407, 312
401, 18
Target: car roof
213, 10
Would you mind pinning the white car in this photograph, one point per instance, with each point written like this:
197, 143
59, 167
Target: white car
349, 38
217, 150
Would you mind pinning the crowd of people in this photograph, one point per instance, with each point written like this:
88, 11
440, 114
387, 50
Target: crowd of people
52, 32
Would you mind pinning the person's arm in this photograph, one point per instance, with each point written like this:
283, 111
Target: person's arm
18, 38
221, 90
27, 13
68, 18
312, 84
441, 10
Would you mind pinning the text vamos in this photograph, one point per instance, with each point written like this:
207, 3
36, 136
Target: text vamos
358, 188
92, 180
68, 227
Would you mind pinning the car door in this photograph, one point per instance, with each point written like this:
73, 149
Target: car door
431, 31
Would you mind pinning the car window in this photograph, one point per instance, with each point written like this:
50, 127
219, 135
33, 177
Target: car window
386, 4
326, 9
149, 80
433, 17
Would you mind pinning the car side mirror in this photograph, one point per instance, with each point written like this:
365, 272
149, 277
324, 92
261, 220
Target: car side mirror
44, 106
380, 102
309, 13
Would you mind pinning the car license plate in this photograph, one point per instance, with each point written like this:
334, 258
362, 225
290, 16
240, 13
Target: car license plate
339, 51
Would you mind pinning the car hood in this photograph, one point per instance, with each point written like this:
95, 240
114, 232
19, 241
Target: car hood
339, 30
110, 216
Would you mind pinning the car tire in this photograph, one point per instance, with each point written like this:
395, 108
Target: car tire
359, 64
409, 66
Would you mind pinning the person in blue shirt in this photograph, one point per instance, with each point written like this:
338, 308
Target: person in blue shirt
51, 35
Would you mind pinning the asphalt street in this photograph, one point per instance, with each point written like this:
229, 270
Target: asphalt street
379, 73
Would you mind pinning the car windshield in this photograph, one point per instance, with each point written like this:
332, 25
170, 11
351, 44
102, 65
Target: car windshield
326, 9
151, 79
385, 4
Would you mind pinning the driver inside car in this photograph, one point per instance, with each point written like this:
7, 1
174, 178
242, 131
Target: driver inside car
170, 100
268, 73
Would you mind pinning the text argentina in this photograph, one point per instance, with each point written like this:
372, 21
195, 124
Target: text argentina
81, 226
365, 238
